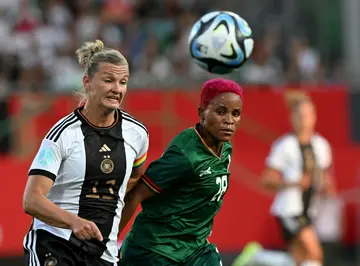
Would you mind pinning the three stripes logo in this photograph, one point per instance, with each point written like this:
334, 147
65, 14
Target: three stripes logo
104, 148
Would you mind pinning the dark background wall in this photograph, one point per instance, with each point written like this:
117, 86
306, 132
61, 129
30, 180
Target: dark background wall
354, 99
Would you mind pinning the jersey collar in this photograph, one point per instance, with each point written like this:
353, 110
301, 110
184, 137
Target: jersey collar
83, 119
196, 127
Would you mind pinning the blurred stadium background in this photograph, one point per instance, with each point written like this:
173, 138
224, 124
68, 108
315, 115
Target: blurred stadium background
301, 46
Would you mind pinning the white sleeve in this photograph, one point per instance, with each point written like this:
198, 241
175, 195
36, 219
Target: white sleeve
142, 152
48, 159
276, 158
327, 163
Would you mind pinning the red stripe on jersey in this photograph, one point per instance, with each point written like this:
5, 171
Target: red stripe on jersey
151, 184
140, 160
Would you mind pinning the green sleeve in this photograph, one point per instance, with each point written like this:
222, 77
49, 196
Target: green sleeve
167, 171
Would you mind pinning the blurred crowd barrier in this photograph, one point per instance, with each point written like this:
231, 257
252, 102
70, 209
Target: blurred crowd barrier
245, 213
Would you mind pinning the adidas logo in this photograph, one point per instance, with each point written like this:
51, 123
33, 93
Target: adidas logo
104, 148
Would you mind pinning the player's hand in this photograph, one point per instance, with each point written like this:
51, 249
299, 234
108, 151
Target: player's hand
305, 181
85, 230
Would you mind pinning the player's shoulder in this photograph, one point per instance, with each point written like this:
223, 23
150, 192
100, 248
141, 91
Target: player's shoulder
184, 139
183, 143
321, 140
285, 141
133, 123
64, 128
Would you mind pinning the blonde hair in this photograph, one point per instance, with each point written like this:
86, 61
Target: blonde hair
90, 54
295, 99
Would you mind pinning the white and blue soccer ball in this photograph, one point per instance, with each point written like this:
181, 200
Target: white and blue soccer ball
221, 42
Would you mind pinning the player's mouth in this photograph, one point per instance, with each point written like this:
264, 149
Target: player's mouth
227, 131
114, 98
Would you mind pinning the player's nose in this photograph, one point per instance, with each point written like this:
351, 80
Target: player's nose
229, 119
118, 89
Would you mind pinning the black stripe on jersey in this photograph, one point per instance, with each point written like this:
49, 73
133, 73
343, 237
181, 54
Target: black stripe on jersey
30, 249
129, 115
100, 188
32, 246
307, 154
26, 247
64, 127
43, 173
58, 127
129, 118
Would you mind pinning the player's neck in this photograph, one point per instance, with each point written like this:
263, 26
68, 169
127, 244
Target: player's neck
304, 137
214, 145
97, 117
210, 141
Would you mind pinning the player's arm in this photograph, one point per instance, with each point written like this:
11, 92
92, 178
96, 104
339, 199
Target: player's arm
132, 200
272, 178
139, 163
42, 175
37, 205
135, 177
161, 175
328, 187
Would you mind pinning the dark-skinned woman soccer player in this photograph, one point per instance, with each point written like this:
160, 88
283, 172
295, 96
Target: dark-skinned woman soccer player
183, 190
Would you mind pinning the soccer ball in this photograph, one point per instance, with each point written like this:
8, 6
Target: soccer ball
221, 42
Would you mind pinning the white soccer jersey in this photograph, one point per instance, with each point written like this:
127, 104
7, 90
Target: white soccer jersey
90, 167
287, 156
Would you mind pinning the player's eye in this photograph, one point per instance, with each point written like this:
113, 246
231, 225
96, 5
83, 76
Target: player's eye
220, 111
107, 80
123, 82
236, 113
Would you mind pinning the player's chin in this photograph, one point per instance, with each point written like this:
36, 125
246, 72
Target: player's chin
111, 105
225, 136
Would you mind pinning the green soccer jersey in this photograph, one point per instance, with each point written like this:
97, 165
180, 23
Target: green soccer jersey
190, 182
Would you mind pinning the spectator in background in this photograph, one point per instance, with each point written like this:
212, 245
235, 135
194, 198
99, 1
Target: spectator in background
87, 23
119, 12
264, 66
4, 119
305, 64
152, 65
36, 32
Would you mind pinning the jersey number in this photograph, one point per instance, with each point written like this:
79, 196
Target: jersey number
103, 189
222, 182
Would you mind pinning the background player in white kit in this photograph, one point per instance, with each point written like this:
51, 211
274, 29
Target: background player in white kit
297, 168
83, 169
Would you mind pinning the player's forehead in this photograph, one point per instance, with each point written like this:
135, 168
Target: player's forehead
118, 71
228, 99
306, 108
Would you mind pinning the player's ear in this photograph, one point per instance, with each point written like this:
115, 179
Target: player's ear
201, 113
86, 82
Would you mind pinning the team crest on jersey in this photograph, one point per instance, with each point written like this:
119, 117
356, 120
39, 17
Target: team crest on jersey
50, 261
107, 165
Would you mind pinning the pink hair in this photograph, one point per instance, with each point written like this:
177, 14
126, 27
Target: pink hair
214, 87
